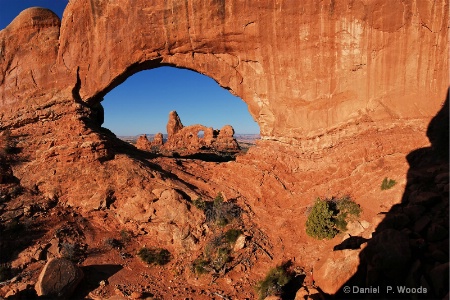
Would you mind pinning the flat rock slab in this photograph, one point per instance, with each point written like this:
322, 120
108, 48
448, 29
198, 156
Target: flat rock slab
59, 278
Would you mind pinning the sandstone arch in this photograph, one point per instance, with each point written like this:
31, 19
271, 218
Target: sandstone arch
234, 44
299, 76
314, 74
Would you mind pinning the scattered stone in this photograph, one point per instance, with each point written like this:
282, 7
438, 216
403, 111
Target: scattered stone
240, 243
136, 295
58, 279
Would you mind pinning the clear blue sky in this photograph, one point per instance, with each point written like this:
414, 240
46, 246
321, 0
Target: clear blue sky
142, 103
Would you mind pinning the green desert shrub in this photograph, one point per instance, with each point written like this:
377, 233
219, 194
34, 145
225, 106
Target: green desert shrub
199, 203
155, 256
74, 252
219, 258
200, 265
217, 253
320, 222
330, 216
231, 235
387, 184
274, 282
345, 210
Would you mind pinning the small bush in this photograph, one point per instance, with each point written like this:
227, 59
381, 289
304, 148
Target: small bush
387, 184
320, 222
69, 251
200, 266
157, 256
345, 210
231, 235
125, 236
220, 258
217, 253
199, 203
330, 216
218, 211
274, 282
113, 243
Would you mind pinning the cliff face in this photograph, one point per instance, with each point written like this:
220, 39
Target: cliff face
341, 90
302, 67
314, 75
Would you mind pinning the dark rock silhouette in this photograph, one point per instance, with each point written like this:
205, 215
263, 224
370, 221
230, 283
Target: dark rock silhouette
410, 247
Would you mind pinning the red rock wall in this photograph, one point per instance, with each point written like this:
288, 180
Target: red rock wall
303, 67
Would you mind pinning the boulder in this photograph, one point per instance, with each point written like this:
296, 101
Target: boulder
338, 267
58, 279
240, 243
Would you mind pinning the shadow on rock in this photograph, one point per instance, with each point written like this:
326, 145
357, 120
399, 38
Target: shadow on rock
95, 276
408, 255
352, 243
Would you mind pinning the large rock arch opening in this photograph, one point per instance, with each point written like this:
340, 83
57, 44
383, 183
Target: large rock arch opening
155, 92
214, 119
